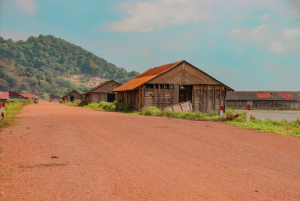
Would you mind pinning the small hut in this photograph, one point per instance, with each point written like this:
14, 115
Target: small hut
30, 96
102, 92
55, 99
174, 83
72, 95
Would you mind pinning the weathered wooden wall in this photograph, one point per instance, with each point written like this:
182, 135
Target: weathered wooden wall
204, 97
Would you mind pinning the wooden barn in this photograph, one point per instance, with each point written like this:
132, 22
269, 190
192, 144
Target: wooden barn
264, 99
72, 95
174, 83
102, 92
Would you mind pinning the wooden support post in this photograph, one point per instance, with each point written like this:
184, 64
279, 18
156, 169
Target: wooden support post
171, 95
153, 94
194, 98
144, 95
200, 98
163, 104
158, 95
207, 98
139, 98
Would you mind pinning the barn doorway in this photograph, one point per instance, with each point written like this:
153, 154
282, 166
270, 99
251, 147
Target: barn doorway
111, 97
185, 93
72, 98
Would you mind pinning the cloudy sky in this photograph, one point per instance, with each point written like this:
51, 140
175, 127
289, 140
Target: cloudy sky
246, 44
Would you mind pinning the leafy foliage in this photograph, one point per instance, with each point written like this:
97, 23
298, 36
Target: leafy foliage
43, 62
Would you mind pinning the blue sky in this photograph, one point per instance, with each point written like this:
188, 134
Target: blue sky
248, 45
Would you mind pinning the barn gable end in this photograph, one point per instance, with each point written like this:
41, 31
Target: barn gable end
184, 74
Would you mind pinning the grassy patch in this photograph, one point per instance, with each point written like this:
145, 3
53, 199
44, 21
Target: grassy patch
270, 126
12, 108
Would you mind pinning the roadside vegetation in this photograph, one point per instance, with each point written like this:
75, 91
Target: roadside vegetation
283, 127
12, 108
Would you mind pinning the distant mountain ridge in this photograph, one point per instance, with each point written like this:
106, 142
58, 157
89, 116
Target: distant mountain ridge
41, 65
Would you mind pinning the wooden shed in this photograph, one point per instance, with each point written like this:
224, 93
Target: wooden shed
174, 83
264, 99
102, 92
72, 95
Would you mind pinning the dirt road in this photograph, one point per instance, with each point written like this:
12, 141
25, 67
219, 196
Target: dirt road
75, 154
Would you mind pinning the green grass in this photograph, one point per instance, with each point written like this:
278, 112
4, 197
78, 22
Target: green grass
291, 128
12, 108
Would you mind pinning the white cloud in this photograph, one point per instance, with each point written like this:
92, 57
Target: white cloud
291, 33
277, 47
145, 51
257, 30
28, 6
235, 31
157, 14
265, 17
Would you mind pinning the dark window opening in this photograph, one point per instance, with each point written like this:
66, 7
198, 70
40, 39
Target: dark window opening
111, 97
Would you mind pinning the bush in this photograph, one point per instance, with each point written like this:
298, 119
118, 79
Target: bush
151, 111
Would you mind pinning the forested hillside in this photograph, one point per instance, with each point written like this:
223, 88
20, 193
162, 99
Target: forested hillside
41, 64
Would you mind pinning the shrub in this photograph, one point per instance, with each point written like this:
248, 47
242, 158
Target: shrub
213, 113
151, 111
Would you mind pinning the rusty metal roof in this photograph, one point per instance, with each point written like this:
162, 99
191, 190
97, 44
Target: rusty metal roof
4, 95
146, 76
263, 95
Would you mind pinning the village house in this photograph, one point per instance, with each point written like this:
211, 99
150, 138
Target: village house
4, 95
102, 92
264, 99
72, 95
174, 83
55, 99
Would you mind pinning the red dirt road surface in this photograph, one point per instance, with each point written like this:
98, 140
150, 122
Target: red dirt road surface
74, 154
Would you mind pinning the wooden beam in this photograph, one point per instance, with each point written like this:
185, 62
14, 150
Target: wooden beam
163, 104
215, 98
158, 95
153, 94
171, 95
207, 98
139, 98
194, 98
144, 95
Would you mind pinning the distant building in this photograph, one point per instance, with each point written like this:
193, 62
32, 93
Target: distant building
55, 99
4, 95
102, 92
264, 99
31, 96
72, 95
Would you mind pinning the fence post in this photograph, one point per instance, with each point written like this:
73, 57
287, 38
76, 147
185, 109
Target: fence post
221, 111
2, 110
248, 113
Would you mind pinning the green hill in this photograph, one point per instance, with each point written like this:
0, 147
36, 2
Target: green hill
46, 66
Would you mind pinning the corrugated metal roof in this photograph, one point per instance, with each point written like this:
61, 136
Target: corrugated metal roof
146, 76
4, 94
55, 97
263, 95
29, 95
100, 85
71, 92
